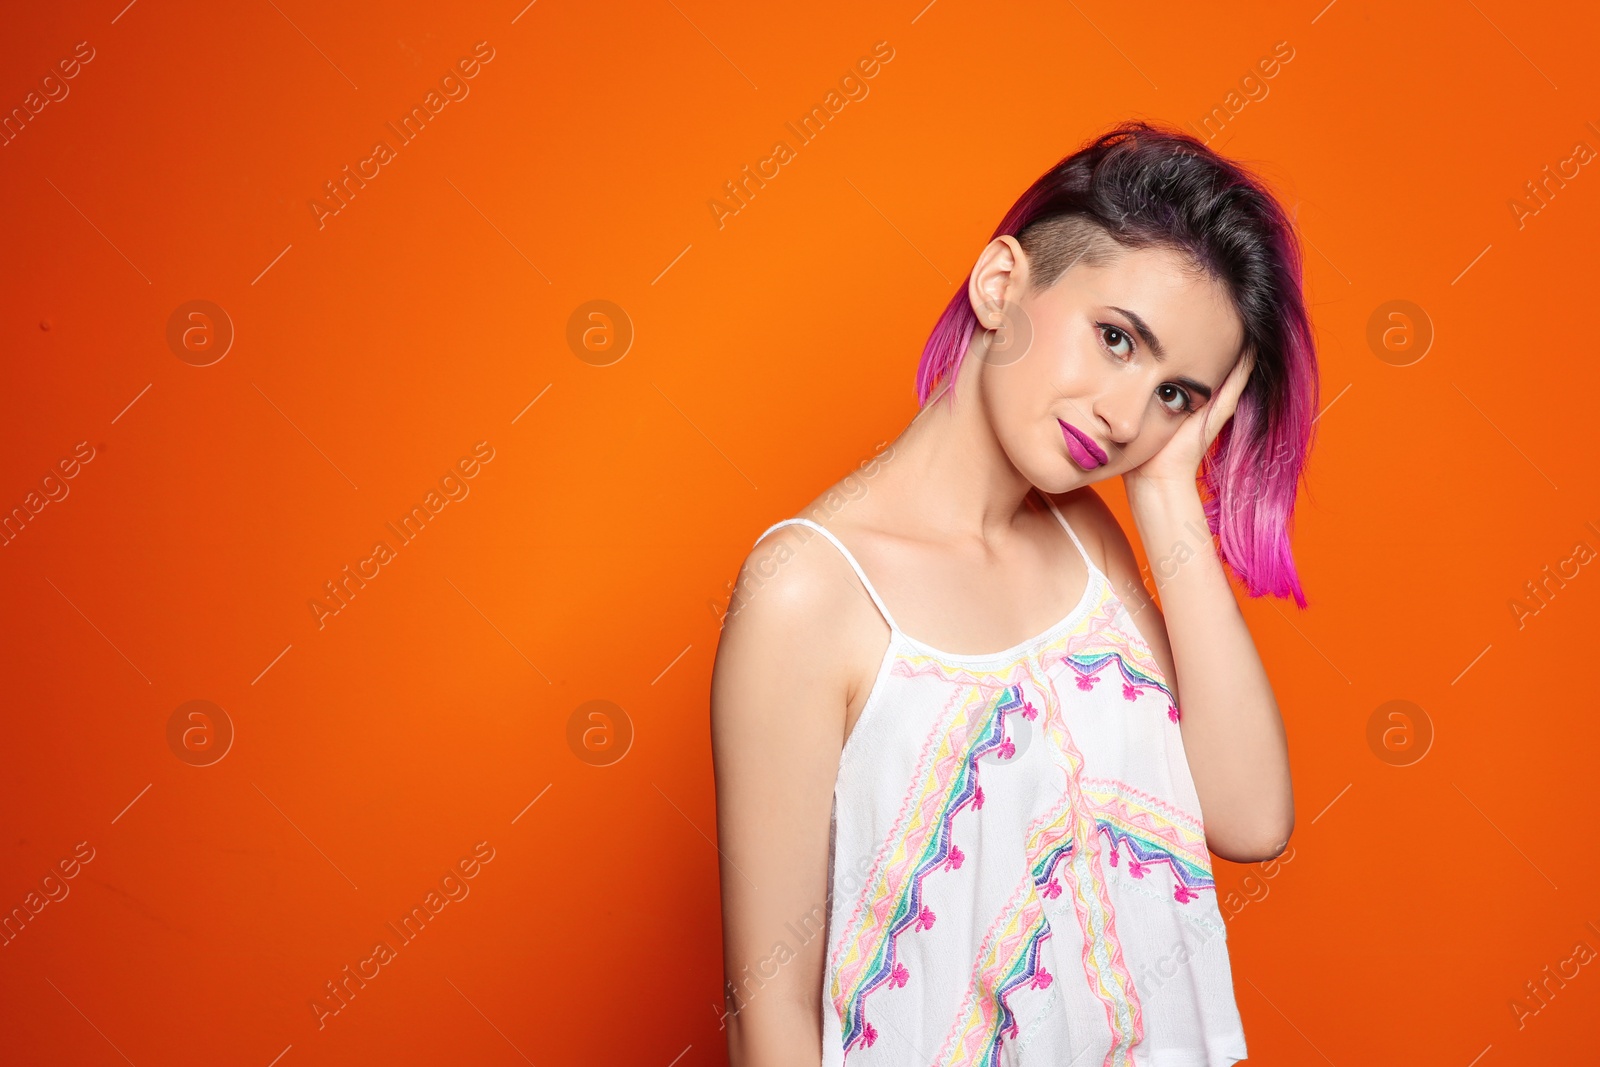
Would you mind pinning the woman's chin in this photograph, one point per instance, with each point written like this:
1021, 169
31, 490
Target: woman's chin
1061, 478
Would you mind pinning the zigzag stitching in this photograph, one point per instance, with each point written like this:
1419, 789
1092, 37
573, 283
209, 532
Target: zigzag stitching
853, 1007
881, 856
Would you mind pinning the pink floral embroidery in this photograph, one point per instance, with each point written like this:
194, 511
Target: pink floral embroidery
1086, 681
1172, 713
1052, 889
1041, 980
1129, 692
1183, 894
1136, 868
898, 976
1007, 749
977, 798
1029, 712
1114, 854
868, 1035
953, 862
925, 918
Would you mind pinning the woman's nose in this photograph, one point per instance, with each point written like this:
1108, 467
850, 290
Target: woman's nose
1121, 408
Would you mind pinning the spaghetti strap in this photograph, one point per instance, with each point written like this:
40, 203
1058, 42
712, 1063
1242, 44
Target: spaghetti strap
850, 559
1065, 525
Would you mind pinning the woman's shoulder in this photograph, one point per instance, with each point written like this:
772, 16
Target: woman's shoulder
791, 642
796, 587
786, 570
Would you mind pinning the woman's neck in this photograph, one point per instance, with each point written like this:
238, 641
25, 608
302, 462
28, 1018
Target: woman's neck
950, 477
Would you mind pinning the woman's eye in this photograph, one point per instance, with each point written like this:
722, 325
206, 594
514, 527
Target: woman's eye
1174, 398
1114, 337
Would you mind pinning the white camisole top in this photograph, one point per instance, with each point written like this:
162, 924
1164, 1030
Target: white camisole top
1018, 872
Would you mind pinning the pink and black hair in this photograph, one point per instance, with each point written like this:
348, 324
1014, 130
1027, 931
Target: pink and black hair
1143, 186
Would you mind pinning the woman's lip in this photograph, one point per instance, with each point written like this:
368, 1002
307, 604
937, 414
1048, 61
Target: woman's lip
1085, 453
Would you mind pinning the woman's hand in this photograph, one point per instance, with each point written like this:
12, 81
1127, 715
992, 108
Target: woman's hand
1178, 463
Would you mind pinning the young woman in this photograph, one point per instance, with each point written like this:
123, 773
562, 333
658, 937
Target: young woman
961, 756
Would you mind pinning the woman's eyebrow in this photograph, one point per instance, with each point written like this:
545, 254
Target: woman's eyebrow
1150, 338
1144, 331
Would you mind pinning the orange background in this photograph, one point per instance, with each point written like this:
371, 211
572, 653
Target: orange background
590, 559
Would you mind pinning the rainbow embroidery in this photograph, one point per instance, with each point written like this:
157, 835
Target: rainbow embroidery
1008, 961
1089, 650
1010, 956
866, 961
1154, 832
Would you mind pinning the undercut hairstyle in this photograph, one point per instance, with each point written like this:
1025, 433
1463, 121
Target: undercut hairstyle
1140, 186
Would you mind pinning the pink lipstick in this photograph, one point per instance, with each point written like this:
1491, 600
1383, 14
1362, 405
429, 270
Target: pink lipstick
1085, 453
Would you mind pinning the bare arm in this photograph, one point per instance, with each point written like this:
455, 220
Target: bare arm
778, 701
1233, 733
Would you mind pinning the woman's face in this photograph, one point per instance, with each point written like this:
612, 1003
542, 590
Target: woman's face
1092, 376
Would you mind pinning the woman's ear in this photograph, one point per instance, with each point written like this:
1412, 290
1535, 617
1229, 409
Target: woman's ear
1000, 274
994, 289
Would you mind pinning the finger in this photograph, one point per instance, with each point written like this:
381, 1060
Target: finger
1233, 388
1227, 399
1242, 370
